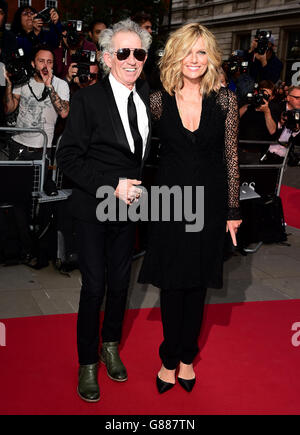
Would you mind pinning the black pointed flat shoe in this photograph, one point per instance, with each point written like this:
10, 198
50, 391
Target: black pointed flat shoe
163, 386
187, 384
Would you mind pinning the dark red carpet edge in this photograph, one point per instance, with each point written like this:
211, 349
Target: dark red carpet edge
290, 197
248, 365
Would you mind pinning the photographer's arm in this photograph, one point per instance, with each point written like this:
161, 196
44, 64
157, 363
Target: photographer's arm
270, 123
243, 110
11, 101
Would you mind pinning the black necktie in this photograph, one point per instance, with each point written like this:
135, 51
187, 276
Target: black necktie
132, 116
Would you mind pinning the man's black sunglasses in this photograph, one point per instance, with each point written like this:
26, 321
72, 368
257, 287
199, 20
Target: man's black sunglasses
139, 53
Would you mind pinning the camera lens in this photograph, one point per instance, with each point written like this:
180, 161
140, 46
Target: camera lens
83, 78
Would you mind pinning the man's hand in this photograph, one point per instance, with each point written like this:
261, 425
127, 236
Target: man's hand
232, 227
283, 119
262, 58
47, 78
7, 78
253, 45
264, 107
72, 71
127, 190
54, 16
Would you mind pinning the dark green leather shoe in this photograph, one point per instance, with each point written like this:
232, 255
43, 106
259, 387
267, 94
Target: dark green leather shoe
109, 355
88, 388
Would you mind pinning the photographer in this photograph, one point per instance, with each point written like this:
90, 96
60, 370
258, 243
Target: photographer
40, 102
238, 77
144, 20
263, 62
260, 115
95, 29
78, 80
8, 41
73, 40
80, 75
290, 125
8, 44
29, 29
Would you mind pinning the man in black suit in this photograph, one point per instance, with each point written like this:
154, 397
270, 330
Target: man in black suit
105, 143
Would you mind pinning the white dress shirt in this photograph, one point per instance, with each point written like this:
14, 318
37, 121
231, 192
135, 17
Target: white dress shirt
121, 94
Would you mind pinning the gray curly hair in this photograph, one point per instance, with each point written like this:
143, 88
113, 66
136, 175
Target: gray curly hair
106, 36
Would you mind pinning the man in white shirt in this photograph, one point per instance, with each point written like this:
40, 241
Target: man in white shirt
291, 129
40, 102
105, 143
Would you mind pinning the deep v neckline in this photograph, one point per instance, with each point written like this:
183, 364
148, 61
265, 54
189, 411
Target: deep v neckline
180, 119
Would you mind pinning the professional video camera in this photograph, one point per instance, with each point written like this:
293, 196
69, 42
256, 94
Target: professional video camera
19, 70
84, 58
262, 37
256, 97
74, 29
44, 15
292, 118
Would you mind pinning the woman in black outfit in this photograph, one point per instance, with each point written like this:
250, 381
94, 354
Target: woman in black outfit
197, 121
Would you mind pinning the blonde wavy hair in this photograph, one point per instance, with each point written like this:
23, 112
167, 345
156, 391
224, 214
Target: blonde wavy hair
178, 47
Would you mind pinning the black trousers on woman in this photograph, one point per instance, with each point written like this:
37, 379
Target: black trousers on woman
105, 257
182, 314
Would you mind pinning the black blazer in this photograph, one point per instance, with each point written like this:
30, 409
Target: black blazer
94, 150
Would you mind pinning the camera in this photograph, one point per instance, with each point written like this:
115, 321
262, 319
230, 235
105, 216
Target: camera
256, 97
292, 119
237, 64
20, 71
262, 37
74, 29
44, 15
84, 58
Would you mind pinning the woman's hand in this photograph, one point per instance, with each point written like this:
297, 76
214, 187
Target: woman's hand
38, 24
232, 227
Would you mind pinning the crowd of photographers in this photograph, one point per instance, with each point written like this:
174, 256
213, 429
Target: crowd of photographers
269, 108
47, 61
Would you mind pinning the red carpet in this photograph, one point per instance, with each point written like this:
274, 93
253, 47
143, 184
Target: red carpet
248, 365
290, 197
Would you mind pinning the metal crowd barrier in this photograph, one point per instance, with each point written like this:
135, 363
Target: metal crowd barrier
40, 164
266, 178
280, 167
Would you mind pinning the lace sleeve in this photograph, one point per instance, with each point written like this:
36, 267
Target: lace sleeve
231, 156
156, 105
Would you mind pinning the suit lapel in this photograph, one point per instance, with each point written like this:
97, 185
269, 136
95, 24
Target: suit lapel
115, 116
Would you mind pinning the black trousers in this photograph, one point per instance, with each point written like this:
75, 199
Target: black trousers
105, 257
182, 314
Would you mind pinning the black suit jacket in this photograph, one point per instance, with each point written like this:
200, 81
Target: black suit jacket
94, 150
